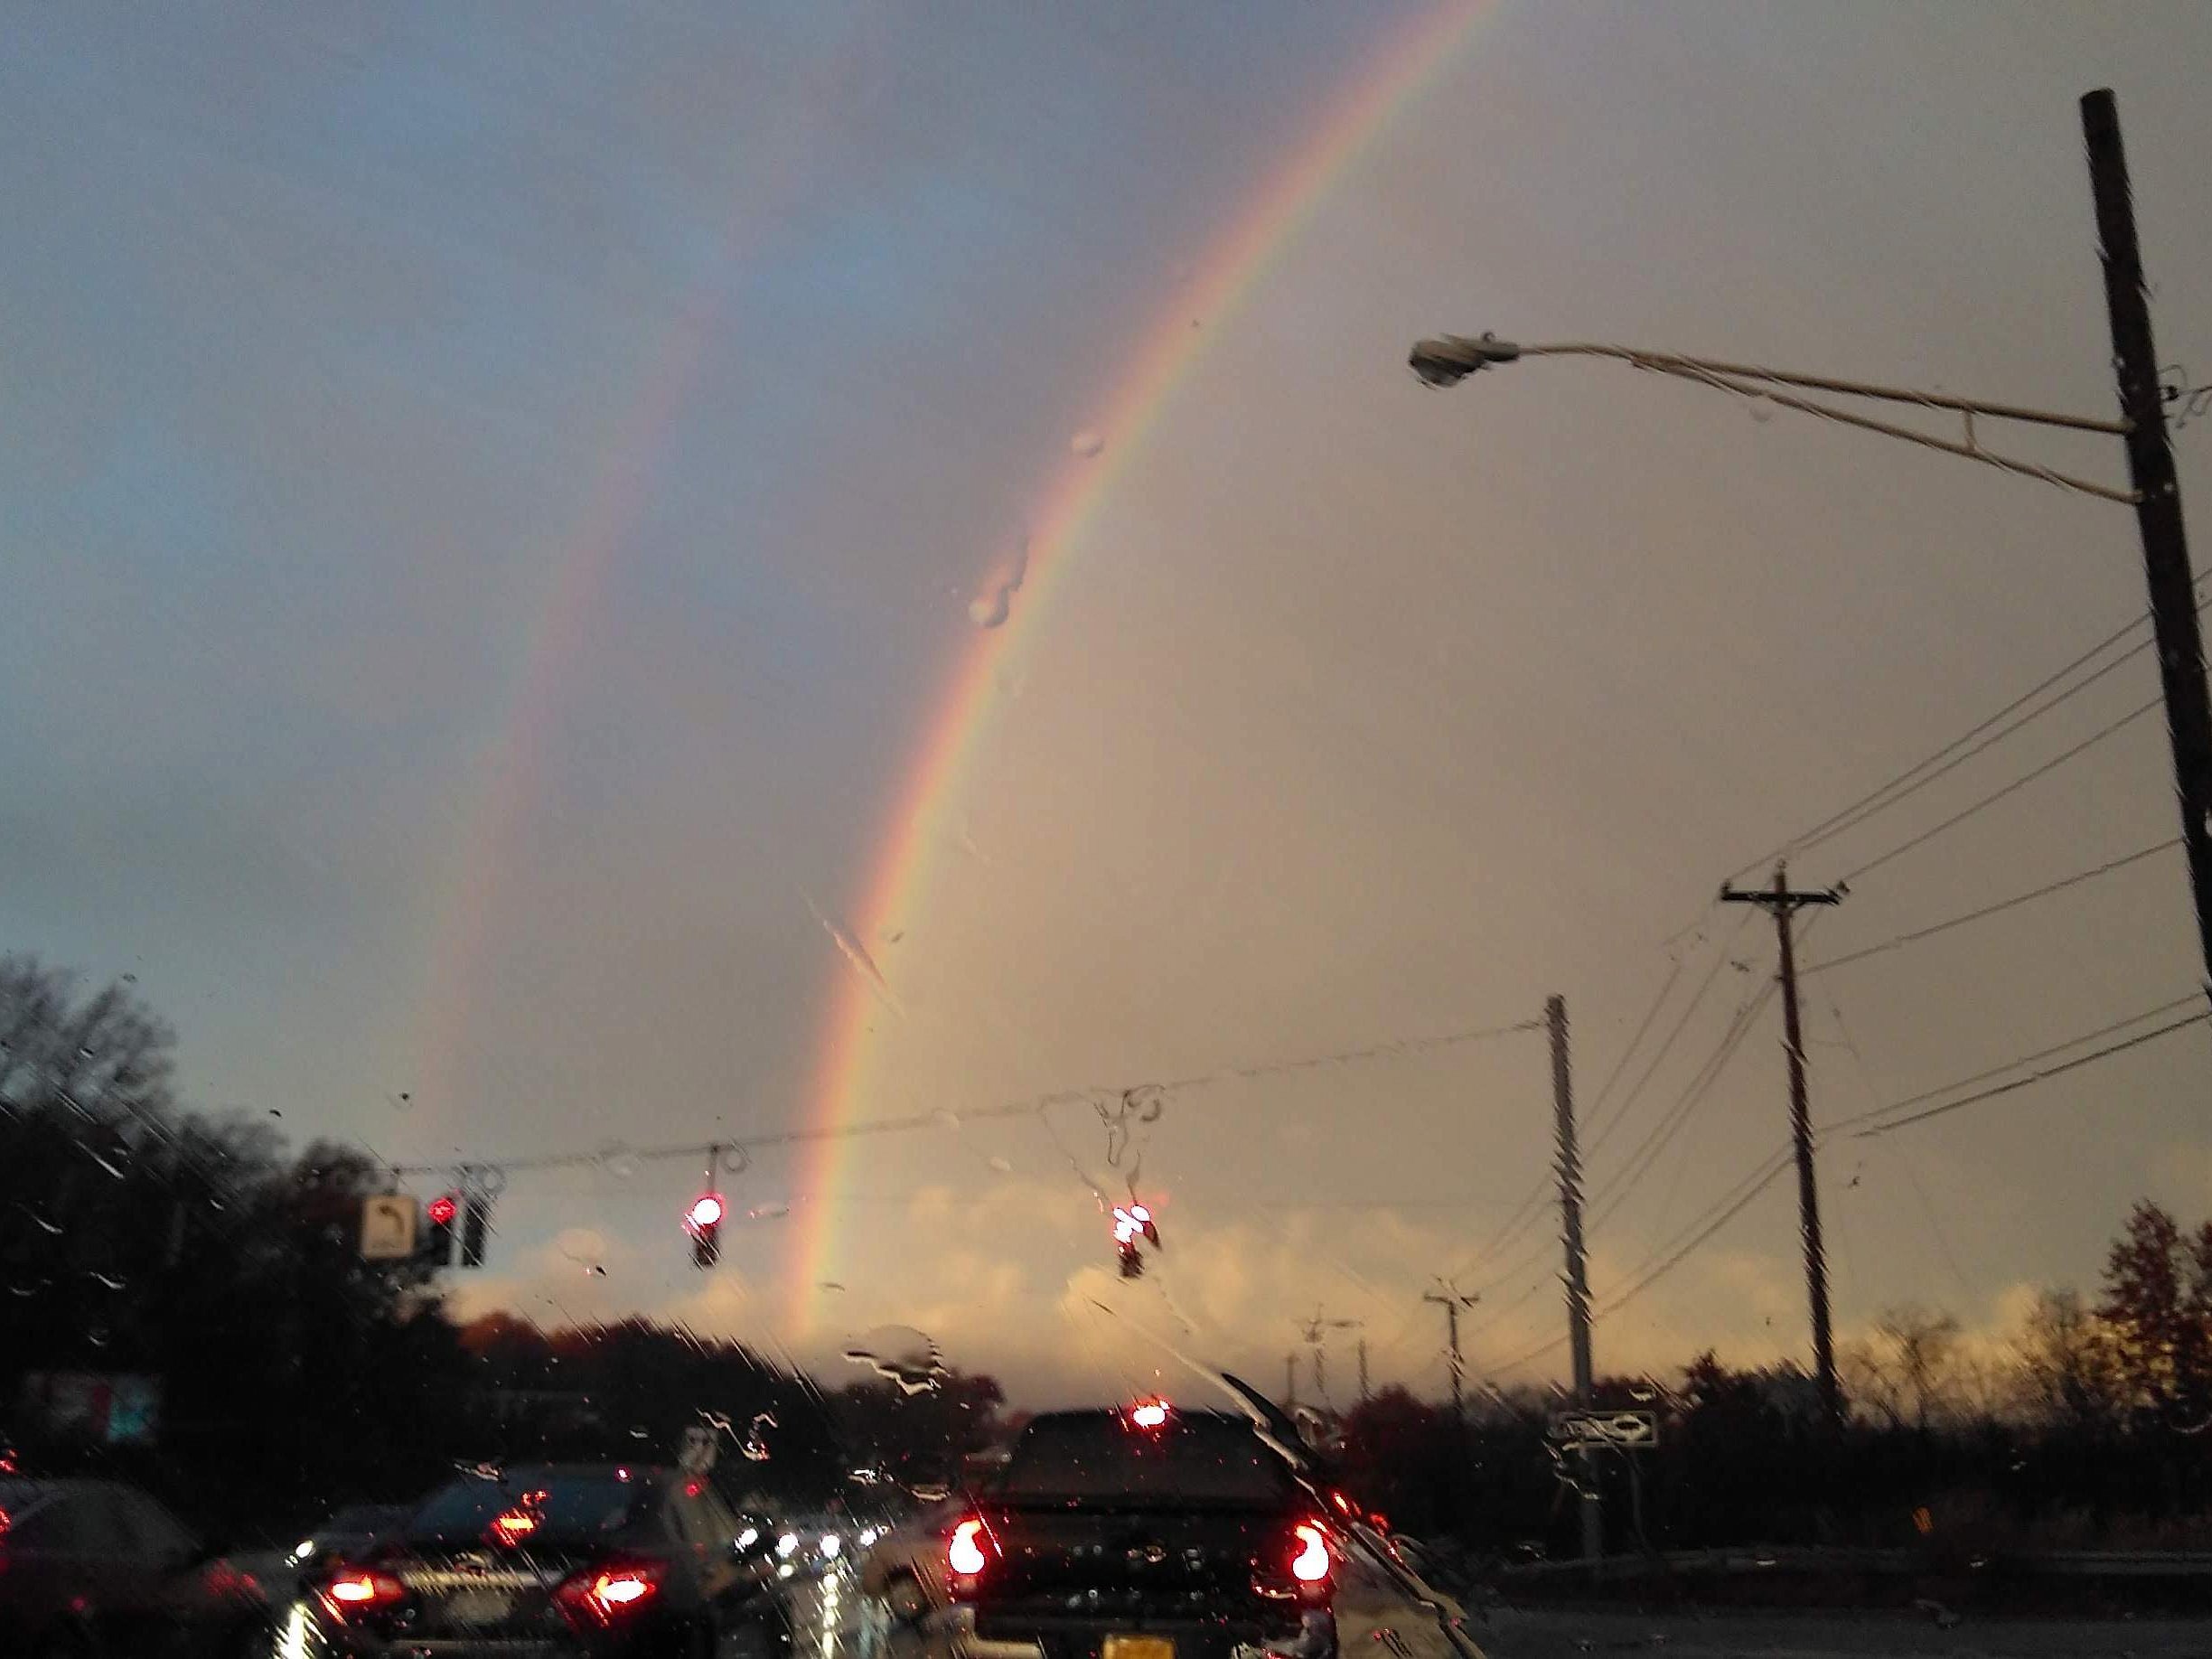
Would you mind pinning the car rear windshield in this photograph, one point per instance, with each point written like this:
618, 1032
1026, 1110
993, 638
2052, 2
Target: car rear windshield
1190, 1461
555, 1507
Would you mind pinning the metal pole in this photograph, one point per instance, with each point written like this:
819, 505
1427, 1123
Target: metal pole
1578, 1279
2158, 506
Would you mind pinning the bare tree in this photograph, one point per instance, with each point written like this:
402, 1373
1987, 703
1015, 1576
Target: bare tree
2067, 1362
106, 1056
1907, 1367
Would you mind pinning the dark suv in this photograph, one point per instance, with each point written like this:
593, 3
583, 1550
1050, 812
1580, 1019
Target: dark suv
1145, 1532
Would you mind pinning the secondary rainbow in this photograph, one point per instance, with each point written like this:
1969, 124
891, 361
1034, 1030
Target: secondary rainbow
917, 825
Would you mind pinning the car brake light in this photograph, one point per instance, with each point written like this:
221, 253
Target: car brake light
605, 1593
1310, 1565
1150, 1414
362, 1592
964, 1557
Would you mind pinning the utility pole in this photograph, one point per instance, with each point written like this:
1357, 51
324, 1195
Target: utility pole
1451, 1301
1577, 1277
2157, 503
1290, 1382
1783, 904
1362, 1368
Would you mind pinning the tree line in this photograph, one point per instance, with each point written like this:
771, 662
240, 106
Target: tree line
2090, 1425
140, 1239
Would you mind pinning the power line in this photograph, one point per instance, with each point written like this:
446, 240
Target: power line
1965, 755
1998, 908
1990, 799
2036, 1077
1866, 803
1601, 1132
2011, 1065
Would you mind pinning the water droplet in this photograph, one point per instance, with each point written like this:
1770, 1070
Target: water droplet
103, 1163
830, 1284
1087, 442
113, 1284
617, 1160
946, 1116
999, 1165
43, 1222
1760, 411
583, 1245
990, 610
274, 1112
768, 1211
908, 1358
892, 935
735, 1159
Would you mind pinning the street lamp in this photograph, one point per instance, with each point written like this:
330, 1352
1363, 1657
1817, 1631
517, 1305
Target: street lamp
2155, 493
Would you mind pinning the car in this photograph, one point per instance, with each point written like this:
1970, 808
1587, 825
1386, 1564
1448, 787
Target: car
549, 1562
95, 1568
1142, 1532
349, 1529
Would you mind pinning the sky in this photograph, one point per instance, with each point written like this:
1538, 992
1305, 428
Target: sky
499, 517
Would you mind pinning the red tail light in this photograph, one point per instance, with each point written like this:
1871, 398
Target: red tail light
600, 1596
354, 1591
965, 1558
1310, 1560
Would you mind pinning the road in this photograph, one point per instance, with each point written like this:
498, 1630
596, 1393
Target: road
1508, 1634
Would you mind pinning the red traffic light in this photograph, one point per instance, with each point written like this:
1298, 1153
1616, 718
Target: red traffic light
706, 1211
442, 1209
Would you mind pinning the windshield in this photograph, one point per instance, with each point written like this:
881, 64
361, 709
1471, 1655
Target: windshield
533, 1509
773, 741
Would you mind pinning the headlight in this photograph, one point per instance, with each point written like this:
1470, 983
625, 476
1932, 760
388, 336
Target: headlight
868, 1536
788, 1544
831, 1544
748, 1538
303, 1549
785, 1570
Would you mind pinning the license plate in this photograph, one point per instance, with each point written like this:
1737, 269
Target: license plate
482, 1607
1138, 1647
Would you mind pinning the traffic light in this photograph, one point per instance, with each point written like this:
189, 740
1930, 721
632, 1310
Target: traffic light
1130, 1224
437, 1237
703, 1222
475, 1221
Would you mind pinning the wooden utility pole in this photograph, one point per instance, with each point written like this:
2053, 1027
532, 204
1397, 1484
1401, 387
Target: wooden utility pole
1363, 1370
1783, 904
1451, 1301
2157, 504
1577, 1277
1290, 1380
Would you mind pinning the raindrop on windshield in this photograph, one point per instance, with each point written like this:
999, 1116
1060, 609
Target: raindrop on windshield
1087, 442
998, 1165
768, 1211
617, 1160
908, 1358
947, 1118
113, 1284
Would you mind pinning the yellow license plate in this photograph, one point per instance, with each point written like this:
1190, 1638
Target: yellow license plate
1138, 1647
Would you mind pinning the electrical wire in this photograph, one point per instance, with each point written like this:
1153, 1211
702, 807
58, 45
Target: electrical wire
2013, 1064
1986, 911
1960, 817
1601, 1132
1874, 799
2063, 1067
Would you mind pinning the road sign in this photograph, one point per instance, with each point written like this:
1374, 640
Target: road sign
388, 1227
1628, 1429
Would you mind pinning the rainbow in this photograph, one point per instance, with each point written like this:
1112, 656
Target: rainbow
923, 805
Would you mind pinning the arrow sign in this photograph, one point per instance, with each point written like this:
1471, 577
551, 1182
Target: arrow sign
1629, 1429
388, 1227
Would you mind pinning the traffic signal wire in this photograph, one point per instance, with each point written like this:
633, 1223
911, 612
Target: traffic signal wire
1035, 1105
